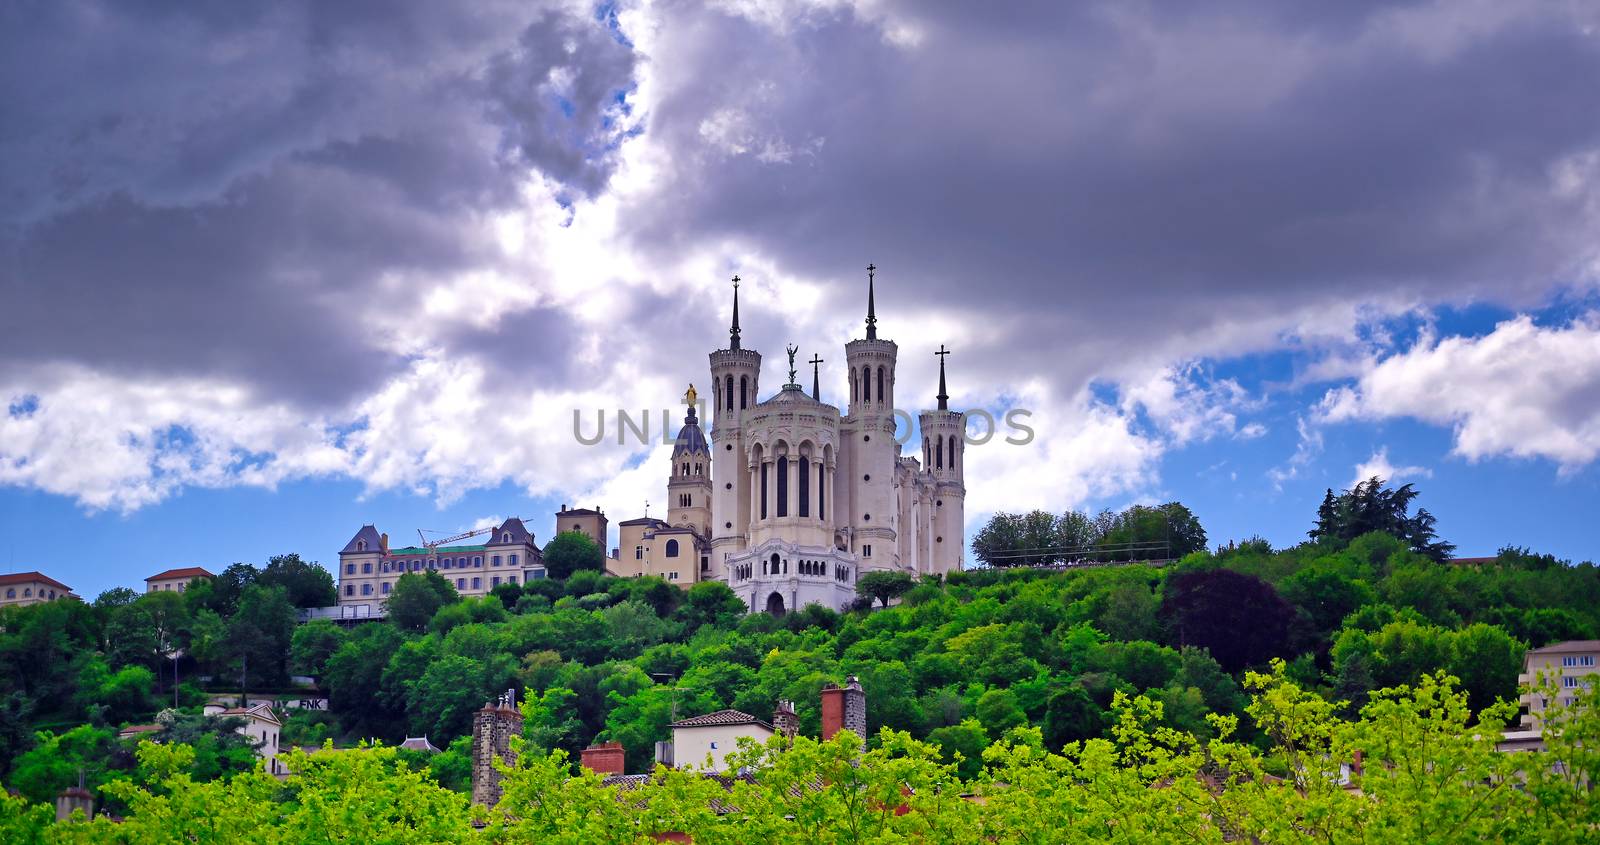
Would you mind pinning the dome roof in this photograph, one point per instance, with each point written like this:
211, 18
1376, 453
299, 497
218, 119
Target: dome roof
690, 437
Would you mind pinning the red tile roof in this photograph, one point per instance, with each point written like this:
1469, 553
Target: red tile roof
30, 578
185, 572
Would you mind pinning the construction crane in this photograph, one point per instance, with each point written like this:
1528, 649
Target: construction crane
433, 545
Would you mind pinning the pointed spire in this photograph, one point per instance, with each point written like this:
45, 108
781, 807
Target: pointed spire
872, 317
815, 394
733, 334
943, 397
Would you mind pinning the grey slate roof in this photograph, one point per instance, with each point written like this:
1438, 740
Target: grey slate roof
368, 533
690, 438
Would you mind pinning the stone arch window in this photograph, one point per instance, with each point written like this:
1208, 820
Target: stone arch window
361, 545
952, 446
938, 451
855, 387
805, 486
881, 396
763, 489
744, 392
11, 592
783, 485
672, 548
729, 391
866, 384
506, 537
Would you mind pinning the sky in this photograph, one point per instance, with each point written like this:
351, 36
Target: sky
269, 272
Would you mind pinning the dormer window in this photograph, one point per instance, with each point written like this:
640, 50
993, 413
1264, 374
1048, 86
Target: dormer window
506, 537
361, 545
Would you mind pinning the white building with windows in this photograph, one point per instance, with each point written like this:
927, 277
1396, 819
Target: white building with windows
1570, 665
369, 567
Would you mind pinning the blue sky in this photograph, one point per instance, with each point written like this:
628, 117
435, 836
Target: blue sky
363, 267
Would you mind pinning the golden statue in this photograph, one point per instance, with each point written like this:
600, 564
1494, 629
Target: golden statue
688, 398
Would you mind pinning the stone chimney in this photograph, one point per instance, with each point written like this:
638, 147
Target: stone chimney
492, 730
74, 798
844, 708
604, 759
784, 720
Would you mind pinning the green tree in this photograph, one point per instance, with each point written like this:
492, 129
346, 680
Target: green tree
416, 597
710, 603
571, 551
962, 746
1239, 618
313, 644
998, 711
305, 584
884, 585
440, 704
259, 637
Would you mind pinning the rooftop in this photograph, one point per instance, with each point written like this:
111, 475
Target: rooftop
720, 718
1568, 647
32, 578
443, 550
183, 572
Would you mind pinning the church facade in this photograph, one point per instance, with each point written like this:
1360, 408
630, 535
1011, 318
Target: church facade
790, 502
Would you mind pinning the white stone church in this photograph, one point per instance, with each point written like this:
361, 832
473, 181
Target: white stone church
789, 502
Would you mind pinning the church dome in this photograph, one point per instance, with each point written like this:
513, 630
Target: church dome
690, 438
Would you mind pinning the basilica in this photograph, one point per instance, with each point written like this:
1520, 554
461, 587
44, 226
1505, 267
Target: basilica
789, 501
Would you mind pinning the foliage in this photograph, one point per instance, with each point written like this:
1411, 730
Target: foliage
416, 597
1372, 506
571, 551
305, 584
884, 585
1239, 618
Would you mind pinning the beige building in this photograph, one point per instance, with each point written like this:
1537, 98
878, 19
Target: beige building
369, 567
1571, 666
175, 580
590, 522
22, 588
263, 729
794, 499
713, 737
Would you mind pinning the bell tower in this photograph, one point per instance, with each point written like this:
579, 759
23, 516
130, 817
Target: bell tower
689, 488
735, 380
944, 456
866, 485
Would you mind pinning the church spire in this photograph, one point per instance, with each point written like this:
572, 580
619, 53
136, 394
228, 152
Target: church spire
943, 397
872, 317
733, 333
815, 360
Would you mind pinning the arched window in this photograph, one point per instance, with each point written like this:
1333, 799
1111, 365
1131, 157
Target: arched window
361, 545
881, 396
11, 592
763, 489
744, 390
506, 537
855, 386
938, 451
783, 485
773, 570
805, 486
952, 447
866, 384
822, 484
672, 548
729, 391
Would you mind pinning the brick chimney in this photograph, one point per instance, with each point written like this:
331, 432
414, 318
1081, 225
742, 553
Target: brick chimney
844, 708
492, 729
785, 721
604, 759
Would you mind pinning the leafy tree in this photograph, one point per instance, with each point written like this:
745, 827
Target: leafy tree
313, 644
999, 712
508, 594
1072, 716
441, 702
1239, 618
416, 597
884, 585
259, 637
305, 584
1144, 533
1327, 596
962, 746
710, 603
221, 594
353, 677
57, 760
1131, 612
571, 551
1488, 661
1010, 539
114, 598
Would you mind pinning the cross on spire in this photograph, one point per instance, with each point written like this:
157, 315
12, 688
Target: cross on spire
944, 398
815, 360
872, 317
733, 334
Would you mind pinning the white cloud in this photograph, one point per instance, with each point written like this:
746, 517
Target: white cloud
1522, 390
1379, 465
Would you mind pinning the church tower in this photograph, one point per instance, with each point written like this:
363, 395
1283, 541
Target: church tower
689, 489
865, 488
944, 457
735, 380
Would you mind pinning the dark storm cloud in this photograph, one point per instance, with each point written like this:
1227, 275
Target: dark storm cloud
241, 193
1118, 174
